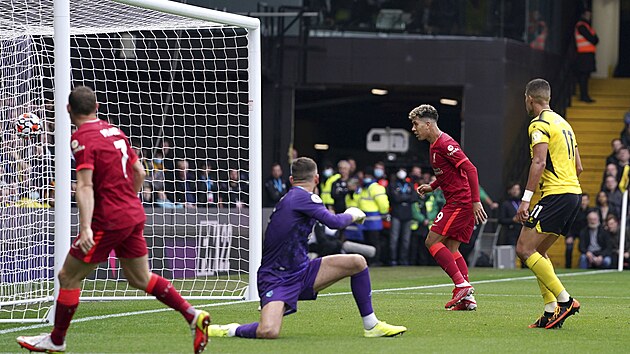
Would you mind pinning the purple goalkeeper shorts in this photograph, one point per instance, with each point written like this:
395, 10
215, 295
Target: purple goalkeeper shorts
299, 287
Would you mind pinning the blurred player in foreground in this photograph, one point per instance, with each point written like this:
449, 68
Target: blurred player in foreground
111, 217
286, 275
554, 170
454, 224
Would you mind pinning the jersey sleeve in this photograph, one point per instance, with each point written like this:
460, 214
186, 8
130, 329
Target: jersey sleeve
84, 152
313, 206
453, 153
539, 133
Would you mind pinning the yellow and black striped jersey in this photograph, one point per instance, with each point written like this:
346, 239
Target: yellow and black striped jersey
559, 176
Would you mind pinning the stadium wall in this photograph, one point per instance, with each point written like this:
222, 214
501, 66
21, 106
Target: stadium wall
492, 71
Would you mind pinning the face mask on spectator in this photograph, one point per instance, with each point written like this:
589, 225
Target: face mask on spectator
34, 195
401, 174
367, 181
158, 161
327, 172
378, 173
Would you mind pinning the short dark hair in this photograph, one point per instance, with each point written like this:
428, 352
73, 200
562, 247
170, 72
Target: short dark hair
303, 169
424, 111
82, 100
538, 89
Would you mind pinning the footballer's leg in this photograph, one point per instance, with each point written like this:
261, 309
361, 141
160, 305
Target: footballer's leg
336, 267
443, 256
527, 248
70, 277
268, 328
139, 277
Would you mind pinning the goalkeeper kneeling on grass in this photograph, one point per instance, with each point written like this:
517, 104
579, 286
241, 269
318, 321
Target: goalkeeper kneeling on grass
287, 275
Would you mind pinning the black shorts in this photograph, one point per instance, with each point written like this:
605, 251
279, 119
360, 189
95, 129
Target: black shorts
554, 214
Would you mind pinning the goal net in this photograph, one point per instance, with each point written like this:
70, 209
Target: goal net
181, 90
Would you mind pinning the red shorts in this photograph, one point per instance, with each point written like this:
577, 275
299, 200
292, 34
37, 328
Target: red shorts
455, 221
128, 243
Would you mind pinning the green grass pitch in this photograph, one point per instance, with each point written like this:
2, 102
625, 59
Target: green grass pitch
332, 324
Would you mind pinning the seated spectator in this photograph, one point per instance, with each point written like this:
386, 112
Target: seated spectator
612, 226
207, 188
574, 233
611, 170
161, 201
184, 185
613, 193
275, 186
595, 245
603, 207
507, 216
157, 175
33, 200
147, 195
234, 192
623, 159
625, 133
616, 144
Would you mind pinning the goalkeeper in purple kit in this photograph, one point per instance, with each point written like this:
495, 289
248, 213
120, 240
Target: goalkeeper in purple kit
286, 274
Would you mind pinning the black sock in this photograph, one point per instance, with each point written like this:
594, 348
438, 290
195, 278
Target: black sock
548, 314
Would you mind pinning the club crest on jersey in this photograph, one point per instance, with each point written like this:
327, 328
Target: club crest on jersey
536, 136
451, 150
74, 144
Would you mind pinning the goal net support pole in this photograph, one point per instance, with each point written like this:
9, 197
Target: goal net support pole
62, 137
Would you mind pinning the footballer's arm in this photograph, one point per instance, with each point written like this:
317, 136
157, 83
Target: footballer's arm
85, 202
539, 162
578, 162
138, 176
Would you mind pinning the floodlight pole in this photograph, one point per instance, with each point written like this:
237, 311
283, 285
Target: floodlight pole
62, 140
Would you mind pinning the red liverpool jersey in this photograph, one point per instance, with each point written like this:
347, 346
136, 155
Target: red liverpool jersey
446, 156
105, 149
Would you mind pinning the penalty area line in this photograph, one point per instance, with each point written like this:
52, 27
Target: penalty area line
144, 312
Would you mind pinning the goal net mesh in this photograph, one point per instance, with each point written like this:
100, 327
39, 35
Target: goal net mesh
178, 88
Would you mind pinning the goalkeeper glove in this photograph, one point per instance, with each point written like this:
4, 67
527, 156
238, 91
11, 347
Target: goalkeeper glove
357, 215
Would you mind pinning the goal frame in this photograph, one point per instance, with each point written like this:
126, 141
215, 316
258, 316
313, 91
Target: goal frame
62, 81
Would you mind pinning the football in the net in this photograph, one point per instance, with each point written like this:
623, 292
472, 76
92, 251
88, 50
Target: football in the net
28, 125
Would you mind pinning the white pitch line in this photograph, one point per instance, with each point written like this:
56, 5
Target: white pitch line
125, 314
474, 282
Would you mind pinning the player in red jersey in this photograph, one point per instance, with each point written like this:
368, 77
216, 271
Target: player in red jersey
111, 217
457, 177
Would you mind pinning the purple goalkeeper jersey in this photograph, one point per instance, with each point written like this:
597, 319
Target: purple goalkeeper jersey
285, 246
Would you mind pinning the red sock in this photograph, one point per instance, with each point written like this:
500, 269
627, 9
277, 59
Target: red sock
461, 264
164, 291
444, 258
67, 303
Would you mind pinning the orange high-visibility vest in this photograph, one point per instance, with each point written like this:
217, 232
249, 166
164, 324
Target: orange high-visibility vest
582, 44
539, 42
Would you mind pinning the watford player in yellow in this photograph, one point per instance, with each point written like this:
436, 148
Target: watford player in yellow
553, 175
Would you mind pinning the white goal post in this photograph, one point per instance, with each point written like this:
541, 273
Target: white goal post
184, 84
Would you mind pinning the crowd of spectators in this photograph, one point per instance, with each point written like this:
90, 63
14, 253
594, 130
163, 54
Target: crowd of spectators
27, 178
596, 229
398, 219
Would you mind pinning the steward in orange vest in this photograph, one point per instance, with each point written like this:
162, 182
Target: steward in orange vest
585, 41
